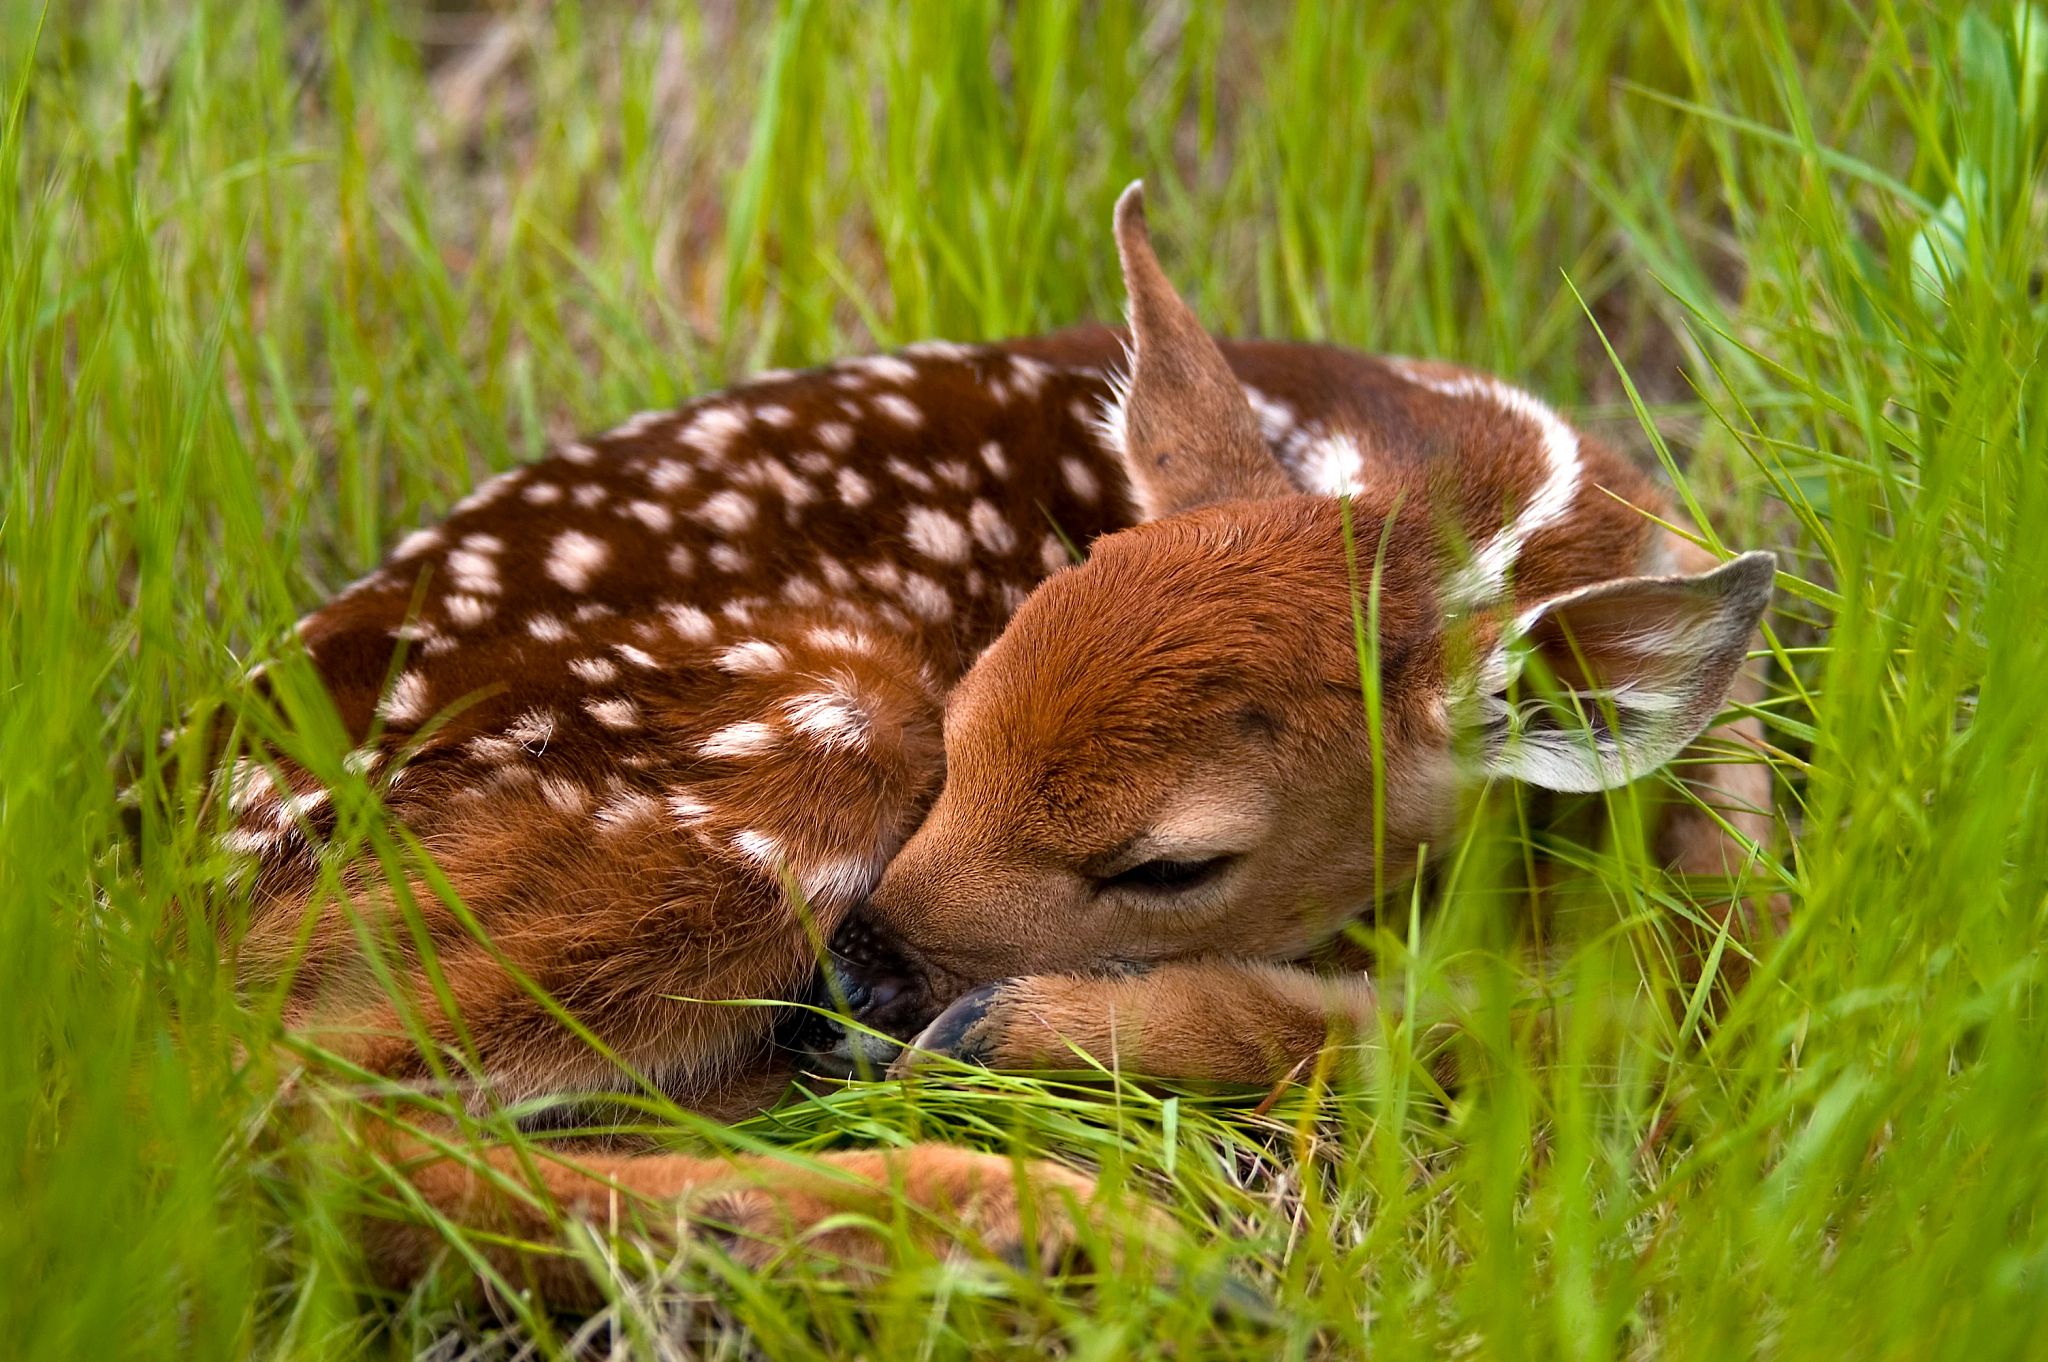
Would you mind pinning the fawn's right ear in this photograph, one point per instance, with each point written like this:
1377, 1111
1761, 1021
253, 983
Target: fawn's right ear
1185, 431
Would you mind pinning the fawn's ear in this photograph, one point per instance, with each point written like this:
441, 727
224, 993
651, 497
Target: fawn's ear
1629, 672
1183, 427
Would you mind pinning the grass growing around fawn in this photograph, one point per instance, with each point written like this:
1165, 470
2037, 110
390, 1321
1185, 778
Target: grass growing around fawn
278, 281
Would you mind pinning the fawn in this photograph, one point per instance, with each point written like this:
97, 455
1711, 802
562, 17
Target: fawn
809, 660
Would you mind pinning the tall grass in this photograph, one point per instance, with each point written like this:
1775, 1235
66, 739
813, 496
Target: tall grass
276, 281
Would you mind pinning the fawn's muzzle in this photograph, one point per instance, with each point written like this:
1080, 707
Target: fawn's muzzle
883, 982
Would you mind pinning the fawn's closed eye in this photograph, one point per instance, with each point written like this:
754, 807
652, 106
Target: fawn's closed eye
1166, 876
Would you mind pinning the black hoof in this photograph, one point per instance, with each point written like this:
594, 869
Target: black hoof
950, 1034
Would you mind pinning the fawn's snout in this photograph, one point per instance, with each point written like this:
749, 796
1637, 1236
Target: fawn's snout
884, 985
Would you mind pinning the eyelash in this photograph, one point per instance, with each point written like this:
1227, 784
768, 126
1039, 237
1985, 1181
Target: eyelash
1165, 877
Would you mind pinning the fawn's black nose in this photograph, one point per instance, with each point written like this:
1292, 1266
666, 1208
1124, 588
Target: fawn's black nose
883, 984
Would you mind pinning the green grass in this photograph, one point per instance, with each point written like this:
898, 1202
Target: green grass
276, 281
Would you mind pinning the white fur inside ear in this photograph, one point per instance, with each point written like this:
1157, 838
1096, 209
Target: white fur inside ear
1662, 653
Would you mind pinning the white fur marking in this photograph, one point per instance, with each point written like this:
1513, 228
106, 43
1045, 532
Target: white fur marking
688, 621
617, 714
747, 738
935, 534
729, 511
899, 409
832, 717
407, 702
991, 530
754, 657
574, 558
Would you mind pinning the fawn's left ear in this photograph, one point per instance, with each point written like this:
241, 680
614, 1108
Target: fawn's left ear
1630, 672
1183, 427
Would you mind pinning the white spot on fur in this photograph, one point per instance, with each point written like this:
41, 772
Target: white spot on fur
589, 494
547, 628
899, 409
884, 575
670, 475
754, 657
841, 880
837, 578
574, 558
542, 493
726, 558
532, 730
597, 671
1029, 374
250, 782
474, 572
991, 530
297, 806
494, 748
940, 349
575, 451
1053, 553
638, 424
728, 511
913, 477
467, 610
776, 415
712, 431
652, 514
1080, 479
681, 561
565, 796
417, 543
935, 534
625, 808
686, 808
801, 590
747, 738
248, 841
617, 713
488, 492
639, 657
407, 702
689, 622
758, 847
993, 460
834, 638
835, 435
854, 489
831, 717
882, 368
925, 597
1333, 465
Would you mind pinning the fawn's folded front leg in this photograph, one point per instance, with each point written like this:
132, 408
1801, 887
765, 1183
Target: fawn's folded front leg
1220, 1020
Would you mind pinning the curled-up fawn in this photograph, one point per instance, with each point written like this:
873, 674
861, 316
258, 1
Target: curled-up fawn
809, 660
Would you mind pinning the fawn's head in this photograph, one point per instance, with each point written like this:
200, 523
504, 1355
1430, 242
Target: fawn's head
1168, 752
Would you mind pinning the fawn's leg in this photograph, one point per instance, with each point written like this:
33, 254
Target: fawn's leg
757, 1208
1221, 1020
